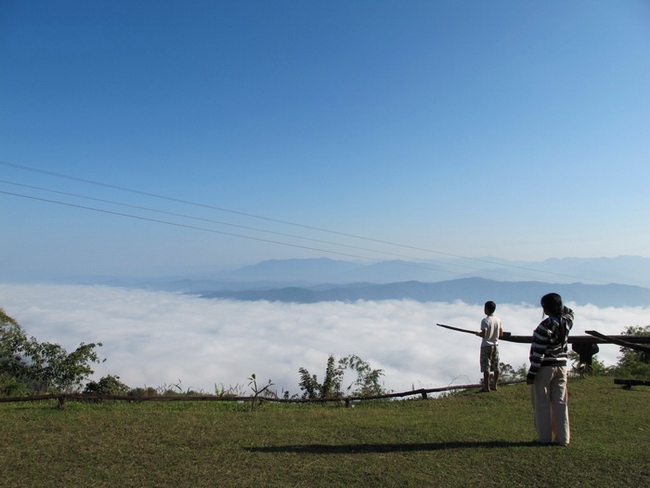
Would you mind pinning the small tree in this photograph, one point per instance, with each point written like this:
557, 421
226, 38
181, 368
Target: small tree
55, 370
331, 386
508, 373
309, 384
12, 345
41, 366
633, 363
366, 382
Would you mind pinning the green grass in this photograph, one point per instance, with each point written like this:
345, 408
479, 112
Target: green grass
468, 439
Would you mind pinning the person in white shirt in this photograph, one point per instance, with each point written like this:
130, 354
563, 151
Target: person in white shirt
491, 331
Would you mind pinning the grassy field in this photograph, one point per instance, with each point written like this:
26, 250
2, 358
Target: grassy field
464, 440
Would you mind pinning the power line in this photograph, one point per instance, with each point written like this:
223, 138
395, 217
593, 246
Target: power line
235, 212
176, 224
202, 219
418, 264
250, 215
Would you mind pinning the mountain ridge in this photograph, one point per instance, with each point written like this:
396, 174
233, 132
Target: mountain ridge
625, 270
472, 291
619, 281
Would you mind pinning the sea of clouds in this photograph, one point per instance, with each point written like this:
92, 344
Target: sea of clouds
161, 339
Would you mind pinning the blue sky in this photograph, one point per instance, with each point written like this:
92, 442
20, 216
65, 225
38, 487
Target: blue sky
511, 129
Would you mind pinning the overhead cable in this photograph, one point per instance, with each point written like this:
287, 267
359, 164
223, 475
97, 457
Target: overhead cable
250, 215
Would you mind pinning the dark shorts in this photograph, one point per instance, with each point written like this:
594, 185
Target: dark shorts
489, 359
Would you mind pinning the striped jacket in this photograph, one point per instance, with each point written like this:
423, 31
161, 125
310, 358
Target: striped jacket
549, 346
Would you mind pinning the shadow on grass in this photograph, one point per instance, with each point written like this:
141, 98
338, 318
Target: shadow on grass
382, 448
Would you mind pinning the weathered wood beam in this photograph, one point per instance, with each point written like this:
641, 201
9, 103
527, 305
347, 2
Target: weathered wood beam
617, 340
627, 384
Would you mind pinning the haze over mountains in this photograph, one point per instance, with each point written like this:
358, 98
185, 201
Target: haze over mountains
620, 281
627, 270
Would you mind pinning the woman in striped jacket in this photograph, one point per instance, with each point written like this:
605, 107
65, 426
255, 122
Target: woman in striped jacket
548, 372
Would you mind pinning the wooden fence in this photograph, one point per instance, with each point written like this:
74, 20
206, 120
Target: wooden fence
63, 397
422, 392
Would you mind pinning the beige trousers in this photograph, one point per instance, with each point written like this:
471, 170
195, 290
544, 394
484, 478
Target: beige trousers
550, 404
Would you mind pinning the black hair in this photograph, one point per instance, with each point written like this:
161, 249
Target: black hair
490, 307
552, 304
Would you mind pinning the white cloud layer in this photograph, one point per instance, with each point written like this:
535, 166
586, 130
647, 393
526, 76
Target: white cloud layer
155, 338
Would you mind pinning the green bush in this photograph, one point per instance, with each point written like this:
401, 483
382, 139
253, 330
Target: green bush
107, 385
633, 363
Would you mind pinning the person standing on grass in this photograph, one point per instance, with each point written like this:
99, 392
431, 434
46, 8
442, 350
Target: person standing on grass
491, 331
548, 372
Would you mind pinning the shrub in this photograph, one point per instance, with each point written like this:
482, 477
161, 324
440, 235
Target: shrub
107, 385
633, 363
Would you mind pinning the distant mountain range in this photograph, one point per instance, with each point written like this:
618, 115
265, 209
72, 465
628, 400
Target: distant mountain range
625, 270
468, 290
620, 281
